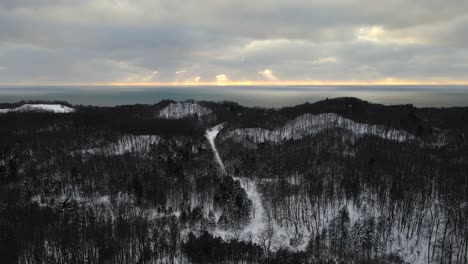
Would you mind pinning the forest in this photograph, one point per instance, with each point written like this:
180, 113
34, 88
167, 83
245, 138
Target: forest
336, 181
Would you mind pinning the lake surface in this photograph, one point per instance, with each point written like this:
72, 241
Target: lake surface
265, 96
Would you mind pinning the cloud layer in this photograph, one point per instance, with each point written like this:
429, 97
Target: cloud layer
203, 41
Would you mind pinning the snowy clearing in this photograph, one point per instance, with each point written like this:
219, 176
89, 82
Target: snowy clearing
53, 108
181, 110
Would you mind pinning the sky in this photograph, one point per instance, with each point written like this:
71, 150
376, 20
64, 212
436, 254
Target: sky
197, 42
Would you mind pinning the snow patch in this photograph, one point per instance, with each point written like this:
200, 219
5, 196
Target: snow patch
53, 108
181, 110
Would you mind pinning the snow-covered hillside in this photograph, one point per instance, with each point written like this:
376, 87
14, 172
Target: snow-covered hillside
309, 124
181, 110
54, 108
125, 144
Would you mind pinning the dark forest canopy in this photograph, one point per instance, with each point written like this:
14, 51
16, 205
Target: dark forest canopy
337, 181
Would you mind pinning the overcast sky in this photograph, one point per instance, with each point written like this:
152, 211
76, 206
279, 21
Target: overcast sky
215, 41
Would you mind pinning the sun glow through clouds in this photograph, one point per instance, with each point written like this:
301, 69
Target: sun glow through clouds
221, 78
268, 74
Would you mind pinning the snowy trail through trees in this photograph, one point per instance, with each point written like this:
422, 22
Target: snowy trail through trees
211, 135
257, 223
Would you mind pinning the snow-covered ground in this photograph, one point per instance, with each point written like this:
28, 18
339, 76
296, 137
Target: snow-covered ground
108, 201
184, 109
54, 108
309, 124
258, 222
289, 232
96, 199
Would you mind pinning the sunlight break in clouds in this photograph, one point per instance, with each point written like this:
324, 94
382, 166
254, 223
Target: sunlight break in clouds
268, 74
378, 34
141, 77
221, 78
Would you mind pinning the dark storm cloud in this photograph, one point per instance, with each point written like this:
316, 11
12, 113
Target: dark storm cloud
106, 41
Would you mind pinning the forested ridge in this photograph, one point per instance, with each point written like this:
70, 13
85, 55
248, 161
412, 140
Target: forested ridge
337, 181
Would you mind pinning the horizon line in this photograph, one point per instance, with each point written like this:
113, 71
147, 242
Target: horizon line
385, 82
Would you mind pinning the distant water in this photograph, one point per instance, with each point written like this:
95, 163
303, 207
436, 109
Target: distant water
265, 96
